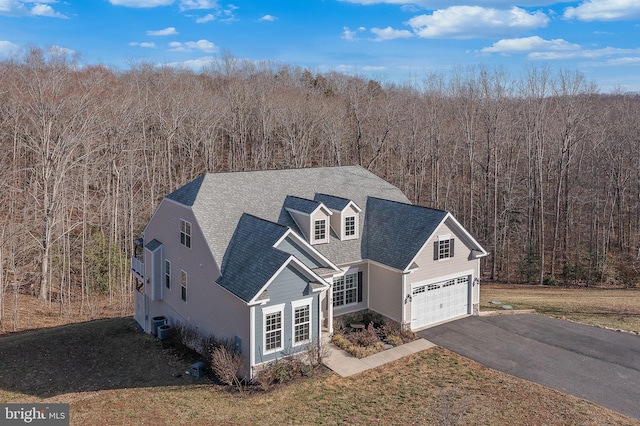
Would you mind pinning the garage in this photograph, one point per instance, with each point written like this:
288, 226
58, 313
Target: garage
439, 301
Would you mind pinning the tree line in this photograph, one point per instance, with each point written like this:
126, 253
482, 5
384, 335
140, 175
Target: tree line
540, 167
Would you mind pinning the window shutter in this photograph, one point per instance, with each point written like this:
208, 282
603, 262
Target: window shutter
359, 286
451, 247
435, 250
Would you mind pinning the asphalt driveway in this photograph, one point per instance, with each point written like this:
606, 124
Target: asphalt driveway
599, 365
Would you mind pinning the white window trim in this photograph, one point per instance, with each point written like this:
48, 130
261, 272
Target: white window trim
298, 304
184, 286
353, 271
167, 275
267, 311
441, 238
355, 226
326, 231
188, 237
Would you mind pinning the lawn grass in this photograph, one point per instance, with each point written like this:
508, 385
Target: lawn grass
613, 308
112, 375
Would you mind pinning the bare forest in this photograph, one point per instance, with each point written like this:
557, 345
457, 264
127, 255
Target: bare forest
540, 167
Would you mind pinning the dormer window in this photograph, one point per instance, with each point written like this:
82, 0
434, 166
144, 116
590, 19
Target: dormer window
311, 217
320, 230
344, 220
350, 226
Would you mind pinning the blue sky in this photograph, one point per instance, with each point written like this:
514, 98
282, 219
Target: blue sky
390, 40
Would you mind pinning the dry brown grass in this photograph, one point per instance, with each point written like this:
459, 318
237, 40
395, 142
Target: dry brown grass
112, 375
613, 308
24, 312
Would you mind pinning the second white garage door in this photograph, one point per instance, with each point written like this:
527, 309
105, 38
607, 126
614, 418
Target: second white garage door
440, 301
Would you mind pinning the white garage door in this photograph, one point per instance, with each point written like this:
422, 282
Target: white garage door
432, 303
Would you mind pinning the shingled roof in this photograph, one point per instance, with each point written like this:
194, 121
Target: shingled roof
333, 202
394, 232
251, 260
219, 200
243, 214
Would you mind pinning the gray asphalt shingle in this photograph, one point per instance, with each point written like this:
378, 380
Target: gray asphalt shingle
243, 214
251, 260
222, 198
395, 232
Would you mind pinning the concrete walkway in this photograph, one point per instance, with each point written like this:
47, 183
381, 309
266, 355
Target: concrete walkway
346, 365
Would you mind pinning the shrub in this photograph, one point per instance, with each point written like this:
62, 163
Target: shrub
226, 365
314, 353
282, 370
393, 340
350, 343
395, 334
189, 337
366, 337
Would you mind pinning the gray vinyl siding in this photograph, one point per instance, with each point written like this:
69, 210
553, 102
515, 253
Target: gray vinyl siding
458, 265
153, 273
291, 247
209, 308
429, 268
289, 286
385, 292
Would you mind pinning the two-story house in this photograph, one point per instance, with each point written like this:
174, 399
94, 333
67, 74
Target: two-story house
269, 258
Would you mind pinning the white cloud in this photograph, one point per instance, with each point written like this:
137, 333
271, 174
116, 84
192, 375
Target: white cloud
583, 54
619, 62
438, 4
193, 64
268, 18
390, 33
143, 44
344, 68
46, 10
56, 50
205, 18
463, 22
7, 48
349, 35
13, 8
372, 68
18, 8
604, 10
218, 13
197, 4
167, 31
203, 45
141, 3
528, 44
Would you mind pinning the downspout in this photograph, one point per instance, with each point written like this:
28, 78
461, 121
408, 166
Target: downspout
319, 319
330, 307
404, 299
252, 339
